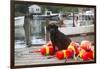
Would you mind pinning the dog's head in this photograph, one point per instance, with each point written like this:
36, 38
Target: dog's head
52, 27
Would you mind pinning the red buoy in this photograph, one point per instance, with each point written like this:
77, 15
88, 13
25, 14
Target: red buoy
64, 54
74, 46
46, 50
69, 53
61, 54
87, 55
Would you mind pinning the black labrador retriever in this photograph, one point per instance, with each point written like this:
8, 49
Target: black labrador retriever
58, 39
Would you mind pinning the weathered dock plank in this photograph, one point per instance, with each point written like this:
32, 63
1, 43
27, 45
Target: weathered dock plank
25, 56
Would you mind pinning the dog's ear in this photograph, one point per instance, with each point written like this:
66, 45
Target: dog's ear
54, 25
51, 27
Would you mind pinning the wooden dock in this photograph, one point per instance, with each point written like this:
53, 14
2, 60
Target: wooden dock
25, 56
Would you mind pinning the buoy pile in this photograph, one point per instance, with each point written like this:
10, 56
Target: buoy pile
83, 50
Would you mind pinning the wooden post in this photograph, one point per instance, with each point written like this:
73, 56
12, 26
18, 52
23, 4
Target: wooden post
73, 19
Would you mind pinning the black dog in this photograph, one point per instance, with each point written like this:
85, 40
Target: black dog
58, 39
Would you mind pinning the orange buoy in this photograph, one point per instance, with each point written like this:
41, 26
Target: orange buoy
69, 53
87, 55
64, 54
61, 54
81, 52
46, 50
74, 46
86, 45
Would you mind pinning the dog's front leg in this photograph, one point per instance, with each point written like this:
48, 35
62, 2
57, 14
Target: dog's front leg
52, 37
54, 48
